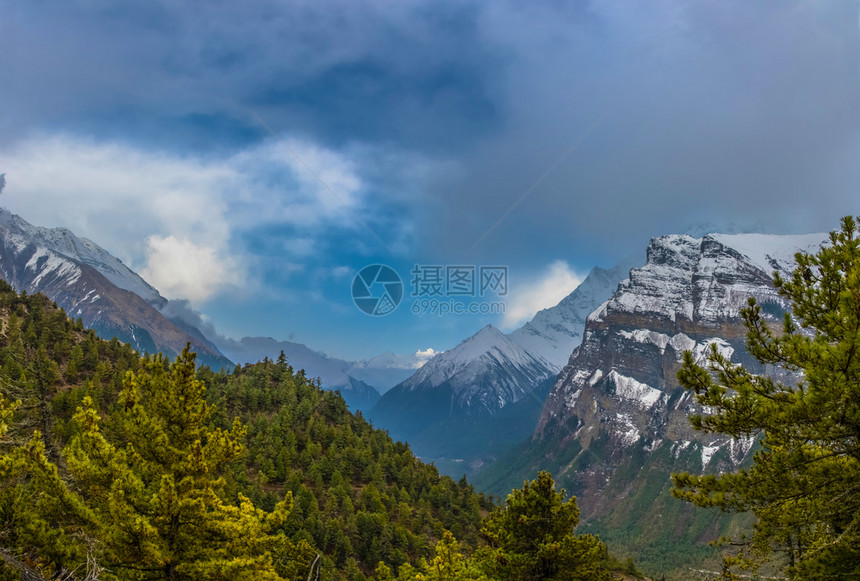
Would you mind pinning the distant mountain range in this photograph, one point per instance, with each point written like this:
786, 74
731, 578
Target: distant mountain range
91, 284
358, 382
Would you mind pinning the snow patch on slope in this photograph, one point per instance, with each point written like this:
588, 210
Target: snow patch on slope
771, 252
703, 349
647, 337
708, 453
629, 389
681, 342
44, 263
629, 433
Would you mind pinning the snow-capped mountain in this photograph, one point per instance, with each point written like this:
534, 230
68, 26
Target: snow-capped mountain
554, 332
688, 295
478, 377
82, 250
93, 285
621, 379
615, 424
487, 351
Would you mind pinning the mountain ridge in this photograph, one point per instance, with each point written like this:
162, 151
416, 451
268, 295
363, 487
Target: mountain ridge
36, 259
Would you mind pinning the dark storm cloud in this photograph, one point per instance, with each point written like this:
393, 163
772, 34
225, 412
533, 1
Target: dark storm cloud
336, 71
719, 111
714, 111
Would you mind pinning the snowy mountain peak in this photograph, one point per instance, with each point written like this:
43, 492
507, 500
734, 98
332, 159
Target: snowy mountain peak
64, 242
489, 342
478, 377
485, 338
770, 252
705, 280
554, 332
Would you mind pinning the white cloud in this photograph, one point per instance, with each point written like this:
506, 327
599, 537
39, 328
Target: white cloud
424, 356
545, 291
180, 268
175, 218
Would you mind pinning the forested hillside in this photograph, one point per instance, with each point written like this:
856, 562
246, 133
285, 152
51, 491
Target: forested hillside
117, 466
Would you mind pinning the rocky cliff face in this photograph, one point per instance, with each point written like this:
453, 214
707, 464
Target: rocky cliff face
621, 379
615, 424
90, 284
620, 387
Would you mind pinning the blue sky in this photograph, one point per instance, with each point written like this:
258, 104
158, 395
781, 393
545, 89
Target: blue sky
251, 157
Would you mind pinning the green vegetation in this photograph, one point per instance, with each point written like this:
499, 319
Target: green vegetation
116, 466
802, 486
638, 517
530, 538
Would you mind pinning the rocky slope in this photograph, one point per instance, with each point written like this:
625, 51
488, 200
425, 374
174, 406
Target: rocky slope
94, 286
687, 297
615, 424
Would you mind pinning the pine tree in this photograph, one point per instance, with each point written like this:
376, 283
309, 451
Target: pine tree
804, 482
449, 564
156, 502
532, 538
